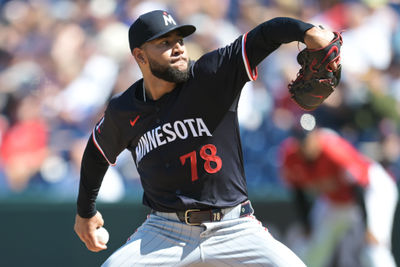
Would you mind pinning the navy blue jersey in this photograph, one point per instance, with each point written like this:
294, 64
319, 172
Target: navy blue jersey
186, 145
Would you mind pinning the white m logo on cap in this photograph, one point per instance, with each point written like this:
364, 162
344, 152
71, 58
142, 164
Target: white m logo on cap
168, 19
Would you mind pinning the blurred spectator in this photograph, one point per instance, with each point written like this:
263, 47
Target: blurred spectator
24, 146
354, 199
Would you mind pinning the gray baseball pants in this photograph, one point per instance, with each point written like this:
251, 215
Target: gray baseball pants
163, 240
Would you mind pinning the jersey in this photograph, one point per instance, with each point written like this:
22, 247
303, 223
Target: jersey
186, 145
183, 150
338, 167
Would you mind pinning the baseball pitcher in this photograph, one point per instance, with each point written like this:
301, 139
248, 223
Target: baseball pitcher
180, 124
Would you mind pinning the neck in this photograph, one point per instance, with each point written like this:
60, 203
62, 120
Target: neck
156, 88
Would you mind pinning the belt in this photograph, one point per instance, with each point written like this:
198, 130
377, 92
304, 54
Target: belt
197, 216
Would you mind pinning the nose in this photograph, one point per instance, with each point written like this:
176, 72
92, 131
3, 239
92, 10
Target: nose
177, 49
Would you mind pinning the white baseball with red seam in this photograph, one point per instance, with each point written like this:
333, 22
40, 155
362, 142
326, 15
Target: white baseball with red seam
102, 235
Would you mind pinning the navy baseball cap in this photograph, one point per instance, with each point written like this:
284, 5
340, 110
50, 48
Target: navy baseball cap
153, 25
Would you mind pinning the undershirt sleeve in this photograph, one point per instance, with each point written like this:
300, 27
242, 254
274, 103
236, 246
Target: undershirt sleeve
269, 35
93, 169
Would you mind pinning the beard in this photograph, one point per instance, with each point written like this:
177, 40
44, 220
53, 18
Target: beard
168, 73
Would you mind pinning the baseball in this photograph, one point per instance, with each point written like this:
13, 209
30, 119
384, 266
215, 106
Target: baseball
307, 121
102, 235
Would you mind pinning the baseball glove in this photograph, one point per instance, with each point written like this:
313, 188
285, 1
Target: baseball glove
316, 79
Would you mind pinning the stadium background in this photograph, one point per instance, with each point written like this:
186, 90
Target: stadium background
60, 61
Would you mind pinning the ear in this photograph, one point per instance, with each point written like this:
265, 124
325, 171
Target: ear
138, 54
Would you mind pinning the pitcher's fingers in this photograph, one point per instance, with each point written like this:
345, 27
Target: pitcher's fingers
334, 65
97, 248
89, 240
98, 245
93, 244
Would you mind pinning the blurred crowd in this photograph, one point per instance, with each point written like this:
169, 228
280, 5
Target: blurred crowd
61, 61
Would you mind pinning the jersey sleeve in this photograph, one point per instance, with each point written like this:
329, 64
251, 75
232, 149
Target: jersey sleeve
217, 79
107, 137
223, 68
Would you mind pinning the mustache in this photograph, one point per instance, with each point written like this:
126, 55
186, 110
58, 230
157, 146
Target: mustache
178, 59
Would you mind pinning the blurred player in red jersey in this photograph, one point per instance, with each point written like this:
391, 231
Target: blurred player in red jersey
350, 221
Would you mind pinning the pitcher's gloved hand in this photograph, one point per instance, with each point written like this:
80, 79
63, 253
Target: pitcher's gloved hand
319, 74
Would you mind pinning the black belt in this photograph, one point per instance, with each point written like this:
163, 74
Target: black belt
197, 216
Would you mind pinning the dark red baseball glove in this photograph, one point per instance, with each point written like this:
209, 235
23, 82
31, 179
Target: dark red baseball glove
316, 79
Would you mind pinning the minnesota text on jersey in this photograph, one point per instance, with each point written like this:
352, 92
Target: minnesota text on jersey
168, 133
